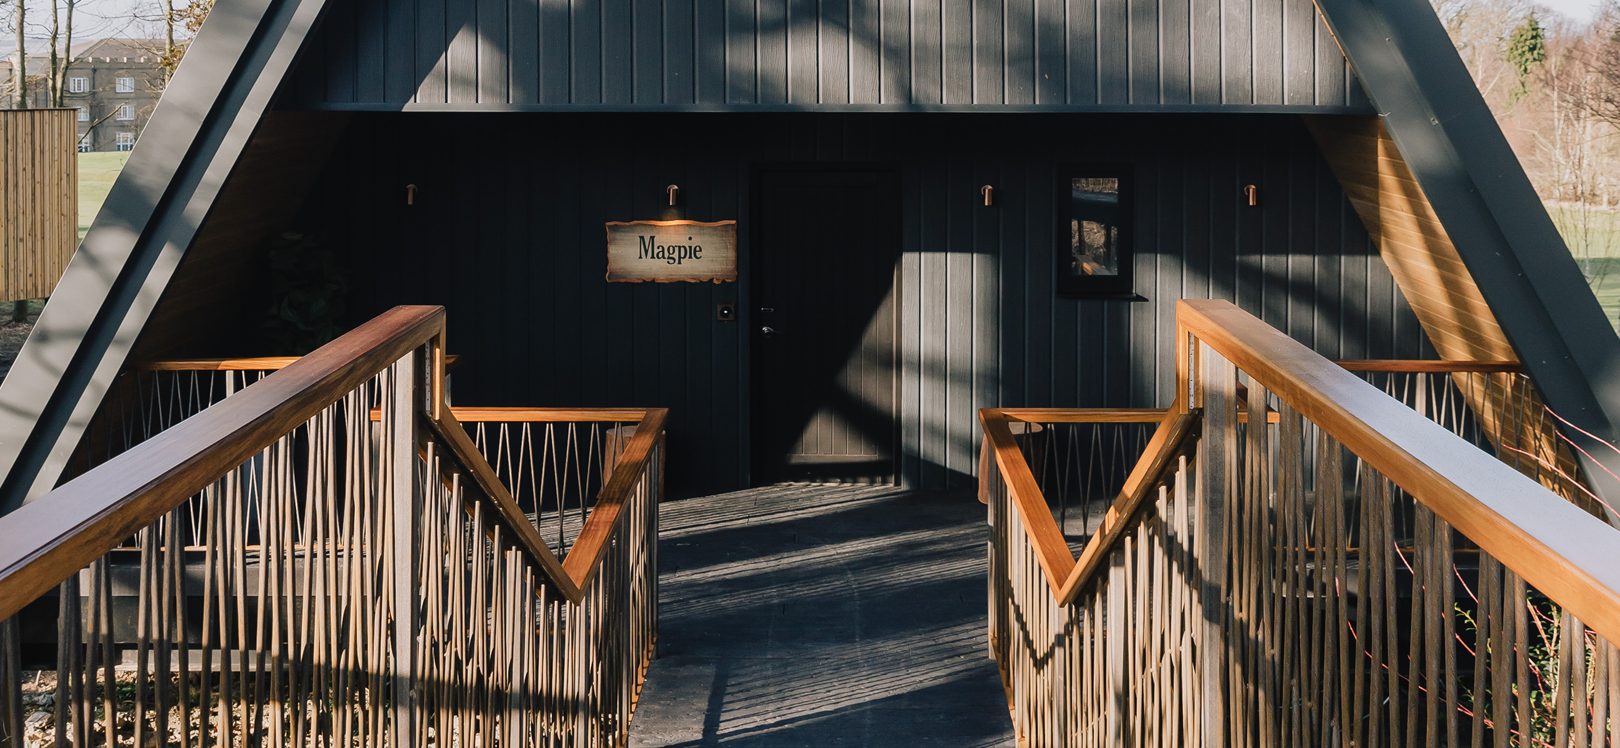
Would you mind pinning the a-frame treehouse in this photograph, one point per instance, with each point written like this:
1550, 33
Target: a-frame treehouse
931, 243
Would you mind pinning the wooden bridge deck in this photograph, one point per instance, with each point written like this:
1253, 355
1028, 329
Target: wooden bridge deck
823, 616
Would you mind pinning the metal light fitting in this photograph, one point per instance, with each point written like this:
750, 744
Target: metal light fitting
989, 194
674, 194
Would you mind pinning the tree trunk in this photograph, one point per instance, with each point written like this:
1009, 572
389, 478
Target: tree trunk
53, 82
169, 63
21, 71
67, 51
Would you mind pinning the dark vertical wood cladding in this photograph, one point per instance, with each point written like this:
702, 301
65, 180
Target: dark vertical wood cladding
385, 54
206, 302
510, 240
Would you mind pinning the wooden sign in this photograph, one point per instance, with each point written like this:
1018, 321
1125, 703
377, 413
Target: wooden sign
671, 251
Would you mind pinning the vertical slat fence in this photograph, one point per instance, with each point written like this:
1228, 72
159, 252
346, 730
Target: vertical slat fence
39, 199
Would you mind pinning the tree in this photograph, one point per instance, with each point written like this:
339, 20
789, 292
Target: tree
1526, 49
180, 22
59, 70
20, 72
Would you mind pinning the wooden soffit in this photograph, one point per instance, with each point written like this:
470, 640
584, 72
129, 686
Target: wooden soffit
1410, 237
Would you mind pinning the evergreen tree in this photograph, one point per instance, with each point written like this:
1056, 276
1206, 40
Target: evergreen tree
1526, 49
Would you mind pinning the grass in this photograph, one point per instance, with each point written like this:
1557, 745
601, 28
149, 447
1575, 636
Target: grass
96, 174
1593, 236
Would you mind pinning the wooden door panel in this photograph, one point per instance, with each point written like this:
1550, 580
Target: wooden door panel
825, 377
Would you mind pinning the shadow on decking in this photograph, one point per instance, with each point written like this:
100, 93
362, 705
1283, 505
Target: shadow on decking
823, 616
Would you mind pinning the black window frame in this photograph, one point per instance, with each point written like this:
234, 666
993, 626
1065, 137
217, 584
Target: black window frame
1122, 285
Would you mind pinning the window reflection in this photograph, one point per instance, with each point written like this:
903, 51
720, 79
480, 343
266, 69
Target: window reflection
1094, 226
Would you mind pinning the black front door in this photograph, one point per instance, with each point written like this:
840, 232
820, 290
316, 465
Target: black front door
825, 385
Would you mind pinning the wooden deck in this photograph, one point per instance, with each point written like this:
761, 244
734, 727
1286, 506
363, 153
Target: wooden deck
823, 616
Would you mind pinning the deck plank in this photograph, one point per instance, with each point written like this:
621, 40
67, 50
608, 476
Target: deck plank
823, 616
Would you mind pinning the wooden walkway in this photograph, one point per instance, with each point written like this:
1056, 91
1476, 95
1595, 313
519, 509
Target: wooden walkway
823, 616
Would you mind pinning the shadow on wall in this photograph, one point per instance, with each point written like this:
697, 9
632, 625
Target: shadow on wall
508, 239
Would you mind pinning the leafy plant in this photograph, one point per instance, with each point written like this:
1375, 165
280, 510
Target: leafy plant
1526, 49
1541, 655
309, 289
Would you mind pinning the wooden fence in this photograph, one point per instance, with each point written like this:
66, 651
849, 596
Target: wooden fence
39, 199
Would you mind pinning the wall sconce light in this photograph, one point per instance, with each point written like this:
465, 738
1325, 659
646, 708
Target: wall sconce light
1252, 194
989, 194
674, 194
410, 194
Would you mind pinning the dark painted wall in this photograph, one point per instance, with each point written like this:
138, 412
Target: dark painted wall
509, 236
896, 54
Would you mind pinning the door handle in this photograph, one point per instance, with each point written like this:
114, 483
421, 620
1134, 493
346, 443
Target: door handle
767, 331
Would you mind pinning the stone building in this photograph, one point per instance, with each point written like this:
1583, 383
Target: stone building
114, 83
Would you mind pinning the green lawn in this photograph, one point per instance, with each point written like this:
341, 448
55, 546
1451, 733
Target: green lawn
1593, 236
96, 174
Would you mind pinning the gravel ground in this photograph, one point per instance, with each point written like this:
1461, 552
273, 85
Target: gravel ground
12, 334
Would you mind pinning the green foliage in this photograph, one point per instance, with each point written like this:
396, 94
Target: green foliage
308, 289
1526, 49
1541, 655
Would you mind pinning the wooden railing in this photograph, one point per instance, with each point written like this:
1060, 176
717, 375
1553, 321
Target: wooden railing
302, 574
150, 396
1494, 405
1352, 573
1078, 457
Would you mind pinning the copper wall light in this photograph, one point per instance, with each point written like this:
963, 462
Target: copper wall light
410, 194
674, 194
989, 194
1252, 194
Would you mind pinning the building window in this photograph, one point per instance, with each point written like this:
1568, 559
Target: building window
126, 85
126, 112
78, 85
126, 141
84, 142
1094, 231
84, 114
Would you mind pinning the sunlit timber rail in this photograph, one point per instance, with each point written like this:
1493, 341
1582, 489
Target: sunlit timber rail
1494, 405
304, 575
1352, 573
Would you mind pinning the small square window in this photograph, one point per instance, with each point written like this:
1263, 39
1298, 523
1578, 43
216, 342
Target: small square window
126, 85
84, 143
1094, 231
126, 112
78, 85
84, 114
126, 141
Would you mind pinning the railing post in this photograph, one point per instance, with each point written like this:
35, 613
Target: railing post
11, 711
1119, 701
1215, 380
405, 397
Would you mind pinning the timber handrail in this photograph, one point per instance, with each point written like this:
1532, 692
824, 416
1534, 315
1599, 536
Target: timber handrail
1168, 441
1064, 575
50, 539
585, 557
1554, 545
1425, 366
572, 575
257, 363
522, 414
461, 449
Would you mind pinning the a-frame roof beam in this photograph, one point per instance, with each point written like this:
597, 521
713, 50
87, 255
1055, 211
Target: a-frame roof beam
214, 102
1448, 136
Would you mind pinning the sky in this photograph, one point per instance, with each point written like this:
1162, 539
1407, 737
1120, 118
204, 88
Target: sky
92, 19
1579, 11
